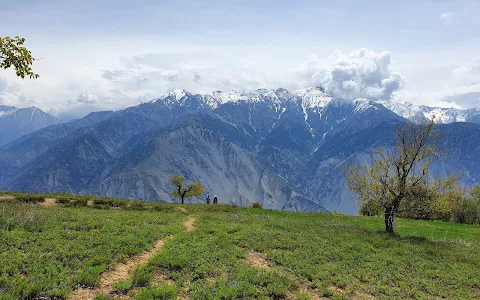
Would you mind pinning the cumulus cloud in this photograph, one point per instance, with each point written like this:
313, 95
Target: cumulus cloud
10, 94
85, 97
358, 74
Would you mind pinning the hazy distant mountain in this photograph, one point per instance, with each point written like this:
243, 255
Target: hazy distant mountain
442, 115
286, 149
15, 122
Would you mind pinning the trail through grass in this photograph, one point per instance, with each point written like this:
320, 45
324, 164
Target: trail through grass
222, 252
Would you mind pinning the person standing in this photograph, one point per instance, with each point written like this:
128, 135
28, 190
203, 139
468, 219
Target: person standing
208, 199
215, 200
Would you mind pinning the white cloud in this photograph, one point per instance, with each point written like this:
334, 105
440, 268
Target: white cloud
10, 94
85, 97
468, 15
468, 74
358, 74
448, 17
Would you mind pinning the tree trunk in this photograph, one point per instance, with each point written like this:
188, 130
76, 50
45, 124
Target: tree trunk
182, 199
389, 212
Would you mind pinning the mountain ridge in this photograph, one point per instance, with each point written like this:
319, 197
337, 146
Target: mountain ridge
284, 149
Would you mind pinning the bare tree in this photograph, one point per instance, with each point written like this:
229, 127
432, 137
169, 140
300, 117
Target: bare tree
397, 172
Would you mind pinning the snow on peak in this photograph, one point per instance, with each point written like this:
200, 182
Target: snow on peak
363, 104
441, 114
313, 97
179, 94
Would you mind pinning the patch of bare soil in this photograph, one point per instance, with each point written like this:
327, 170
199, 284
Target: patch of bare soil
183, 295
189, 224
118, 272
6, 197
362, 296
49, 202
257, 260
90, 203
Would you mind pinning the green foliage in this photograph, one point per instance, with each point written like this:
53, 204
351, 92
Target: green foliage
467, 209
47, 251
398, 179
163, 291
142, 276
30, 198
14, 54
192, 190
122, 286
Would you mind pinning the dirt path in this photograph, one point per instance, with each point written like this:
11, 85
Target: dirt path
118, 272
189, 224
181, 209
123, 271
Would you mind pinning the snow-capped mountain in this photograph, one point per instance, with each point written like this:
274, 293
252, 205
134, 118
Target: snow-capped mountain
286, 149
441, 115
15, 122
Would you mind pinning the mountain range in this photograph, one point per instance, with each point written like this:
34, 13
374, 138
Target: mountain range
15, 122
285, 149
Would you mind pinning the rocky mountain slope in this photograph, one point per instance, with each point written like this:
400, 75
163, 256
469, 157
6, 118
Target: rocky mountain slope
286, 149
15, 122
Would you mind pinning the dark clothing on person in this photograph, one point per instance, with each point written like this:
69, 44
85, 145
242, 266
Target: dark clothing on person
208, 199
215, 200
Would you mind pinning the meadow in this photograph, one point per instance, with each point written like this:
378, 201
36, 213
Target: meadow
67, 247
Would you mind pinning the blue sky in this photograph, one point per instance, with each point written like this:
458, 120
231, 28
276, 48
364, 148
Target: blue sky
112, 54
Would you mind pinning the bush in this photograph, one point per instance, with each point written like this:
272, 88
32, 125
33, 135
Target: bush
142, 276
122, 286
163, 291
30, 198
257, 205
467, 210
371, 209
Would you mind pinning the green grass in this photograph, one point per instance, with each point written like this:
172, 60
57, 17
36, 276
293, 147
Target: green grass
48, 251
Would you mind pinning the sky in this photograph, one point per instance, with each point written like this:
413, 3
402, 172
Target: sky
111, 54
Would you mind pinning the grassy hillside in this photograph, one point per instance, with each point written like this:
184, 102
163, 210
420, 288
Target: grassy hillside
85, 247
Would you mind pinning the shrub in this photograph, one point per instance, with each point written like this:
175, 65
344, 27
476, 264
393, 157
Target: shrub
136, 205
30, 198
163, 291
142, 276
257, 205
16, 216
122, 286
467, 210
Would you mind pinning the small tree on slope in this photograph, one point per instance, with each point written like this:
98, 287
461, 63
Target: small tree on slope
192, 190
397, 173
